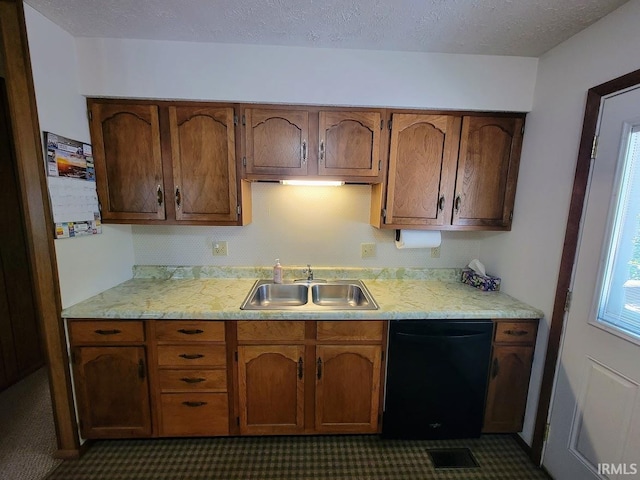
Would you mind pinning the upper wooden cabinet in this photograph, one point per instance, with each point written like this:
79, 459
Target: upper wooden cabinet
450, 172
165, 162
487, 171
128, 160
282, 143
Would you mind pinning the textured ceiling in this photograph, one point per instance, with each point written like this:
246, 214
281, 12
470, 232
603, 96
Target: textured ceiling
491, 27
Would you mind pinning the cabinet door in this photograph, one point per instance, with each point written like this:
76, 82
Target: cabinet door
347, 388
487, 171
277, 141
508, 387
112, 391
203, 150
349, 144
422, 169
271, 389
128, 161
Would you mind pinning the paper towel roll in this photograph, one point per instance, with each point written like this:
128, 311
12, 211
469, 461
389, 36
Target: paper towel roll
419, 239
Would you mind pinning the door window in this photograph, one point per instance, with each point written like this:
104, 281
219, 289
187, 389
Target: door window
619, 304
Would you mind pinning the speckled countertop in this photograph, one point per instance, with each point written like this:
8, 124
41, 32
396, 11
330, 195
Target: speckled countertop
217, 293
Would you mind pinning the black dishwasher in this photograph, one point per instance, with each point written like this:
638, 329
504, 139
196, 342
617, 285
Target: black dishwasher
436, 378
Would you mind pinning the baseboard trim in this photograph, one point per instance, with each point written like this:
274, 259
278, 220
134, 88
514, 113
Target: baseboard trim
73, 454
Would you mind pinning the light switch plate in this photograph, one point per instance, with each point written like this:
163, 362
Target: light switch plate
220, 249
368, 250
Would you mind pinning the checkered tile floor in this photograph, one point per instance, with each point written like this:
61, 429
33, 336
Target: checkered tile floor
301, 457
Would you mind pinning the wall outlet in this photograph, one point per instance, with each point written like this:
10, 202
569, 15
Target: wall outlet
435, 252
220, 249
368, 250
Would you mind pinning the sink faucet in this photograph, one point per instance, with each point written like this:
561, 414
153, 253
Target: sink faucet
309, 272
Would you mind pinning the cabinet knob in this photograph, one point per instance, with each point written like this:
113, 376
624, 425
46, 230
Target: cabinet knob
319, 364
457, 204
321, 149
160, 195
304, 151
441, 203
178, 197
300, 368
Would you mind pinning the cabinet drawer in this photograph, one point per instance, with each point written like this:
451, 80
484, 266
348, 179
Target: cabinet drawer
181, 331
516, 332
270, 330
349, 330
105, 331
195, 414
193, 380
192, 355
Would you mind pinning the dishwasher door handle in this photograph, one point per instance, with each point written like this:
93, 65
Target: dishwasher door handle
422, 338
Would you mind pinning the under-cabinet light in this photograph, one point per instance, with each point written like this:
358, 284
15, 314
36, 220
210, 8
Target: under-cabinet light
313, 183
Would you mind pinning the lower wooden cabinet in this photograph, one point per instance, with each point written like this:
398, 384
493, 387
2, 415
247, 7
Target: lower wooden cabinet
511, 360
347, 388
112, 391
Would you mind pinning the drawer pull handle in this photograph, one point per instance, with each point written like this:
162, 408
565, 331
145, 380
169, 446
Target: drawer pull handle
516, 333
195, 331
300, 368
194, 404
319, 363
108, 332
441, 203
191, 356
192, 380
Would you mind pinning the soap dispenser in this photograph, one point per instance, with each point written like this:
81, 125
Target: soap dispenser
277, 272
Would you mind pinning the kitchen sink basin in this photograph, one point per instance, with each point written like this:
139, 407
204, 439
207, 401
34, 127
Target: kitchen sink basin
340, 295
332, 295
277, 295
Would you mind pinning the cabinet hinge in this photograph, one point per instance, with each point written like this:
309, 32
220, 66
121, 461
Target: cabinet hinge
522, 130
381, 124
546, 433
389, 124
235, 355
567, 301
511, 215
238, 209
100, 207
244, 120
90, 115
244, 161
235, 119
384, 213
594, 147
379, 165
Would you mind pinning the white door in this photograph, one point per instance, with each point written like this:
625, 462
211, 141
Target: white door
595, 414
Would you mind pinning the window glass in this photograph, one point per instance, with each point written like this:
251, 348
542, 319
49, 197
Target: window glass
620, 297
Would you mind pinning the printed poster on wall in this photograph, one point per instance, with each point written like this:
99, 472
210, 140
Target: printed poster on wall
72, 187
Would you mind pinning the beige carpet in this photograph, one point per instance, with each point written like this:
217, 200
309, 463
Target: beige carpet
27, 432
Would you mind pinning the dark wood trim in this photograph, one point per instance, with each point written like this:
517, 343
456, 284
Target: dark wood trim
583, 166
37, 216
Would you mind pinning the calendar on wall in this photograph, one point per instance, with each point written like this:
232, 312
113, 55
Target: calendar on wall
71, 181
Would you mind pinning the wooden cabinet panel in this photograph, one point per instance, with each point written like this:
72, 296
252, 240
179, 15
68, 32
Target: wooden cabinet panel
204, 163
267, 330
507, 390
128, 160
195, 414
175, 380
349, 330
192, 355
348, 388
105, 331
112, 391
487, 171
271, 389
277, 141
349, 143
191, 331
422, 169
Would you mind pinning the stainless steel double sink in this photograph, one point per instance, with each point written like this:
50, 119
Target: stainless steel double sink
316, 295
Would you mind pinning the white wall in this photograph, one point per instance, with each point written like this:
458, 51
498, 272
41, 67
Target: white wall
288, 223
86, 265
528, 258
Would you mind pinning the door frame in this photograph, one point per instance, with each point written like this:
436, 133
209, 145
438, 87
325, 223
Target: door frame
572, 232
38, 220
